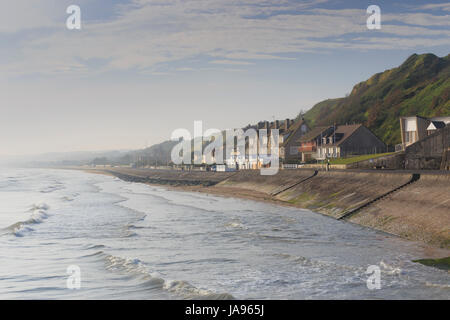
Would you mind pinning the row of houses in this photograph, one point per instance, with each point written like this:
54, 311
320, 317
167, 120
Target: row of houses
301, 144
298, 143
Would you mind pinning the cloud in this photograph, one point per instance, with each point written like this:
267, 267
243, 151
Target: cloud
435, 6
145, 34
185, 69
231, 62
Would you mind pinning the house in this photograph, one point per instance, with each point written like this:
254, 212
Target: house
346, 140
416, 128
435, 125
309, 142
289, 144
289, 131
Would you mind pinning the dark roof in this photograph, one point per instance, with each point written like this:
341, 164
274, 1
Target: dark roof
438, 124
313, 134
345, 131
292, 128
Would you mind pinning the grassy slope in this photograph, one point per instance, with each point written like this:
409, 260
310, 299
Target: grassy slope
358, 158
421, 85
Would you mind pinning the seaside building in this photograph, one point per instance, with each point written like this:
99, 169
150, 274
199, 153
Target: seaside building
289, 144
309, 142
289, 131
343, 141
416, 128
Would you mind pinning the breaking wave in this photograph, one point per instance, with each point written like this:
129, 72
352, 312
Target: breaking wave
154, 281
20, 228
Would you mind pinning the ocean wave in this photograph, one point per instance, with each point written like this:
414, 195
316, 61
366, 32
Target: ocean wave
55, 187
437, 285
320, 264
132, 226
21, 228
93, 246
154, 281
127, 231
235, 224
142, 218
390, 269
95, 254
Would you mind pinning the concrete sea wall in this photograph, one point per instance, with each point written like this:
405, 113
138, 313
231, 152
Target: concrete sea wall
420, 211
413, 206
391, 202
169, 177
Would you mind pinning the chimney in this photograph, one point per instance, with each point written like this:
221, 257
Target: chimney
287, 123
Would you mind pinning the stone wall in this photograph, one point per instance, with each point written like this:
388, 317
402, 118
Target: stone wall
428, 153
392, 161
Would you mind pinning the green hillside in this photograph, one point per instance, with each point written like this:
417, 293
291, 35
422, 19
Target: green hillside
420, 86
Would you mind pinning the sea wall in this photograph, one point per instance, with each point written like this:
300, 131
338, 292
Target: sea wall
332, 193
169, 177
392, 161
429, 152
270, 185
415, 207
420, 211
335, 193
417, 210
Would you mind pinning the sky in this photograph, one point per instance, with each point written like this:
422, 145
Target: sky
139, 69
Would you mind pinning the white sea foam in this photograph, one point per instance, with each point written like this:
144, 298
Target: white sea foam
154, 280
21, 228
188, 246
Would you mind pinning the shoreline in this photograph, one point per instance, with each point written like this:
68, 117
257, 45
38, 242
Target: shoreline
390, 215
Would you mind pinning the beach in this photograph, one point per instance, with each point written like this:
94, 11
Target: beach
133, 240
418, 211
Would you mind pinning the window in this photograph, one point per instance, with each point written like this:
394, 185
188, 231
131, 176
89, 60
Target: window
410, 136
303, 129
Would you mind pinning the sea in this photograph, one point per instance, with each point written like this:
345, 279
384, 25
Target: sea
68, 234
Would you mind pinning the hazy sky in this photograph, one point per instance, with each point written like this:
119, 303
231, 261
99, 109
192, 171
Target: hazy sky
138, 69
